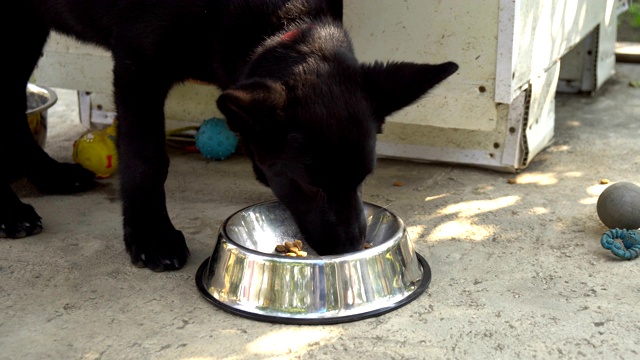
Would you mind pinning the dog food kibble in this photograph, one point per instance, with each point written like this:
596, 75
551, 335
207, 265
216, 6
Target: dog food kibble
291, 248
367, 245
604, 181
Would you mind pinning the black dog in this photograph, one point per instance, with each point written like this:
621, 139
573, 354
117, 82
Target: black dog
306, 110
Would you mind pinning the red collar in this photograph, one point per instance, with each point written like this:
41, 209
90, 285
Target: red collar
290, 35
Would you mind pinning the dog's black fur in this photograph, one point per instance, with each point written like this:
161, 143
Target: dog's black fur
307, 111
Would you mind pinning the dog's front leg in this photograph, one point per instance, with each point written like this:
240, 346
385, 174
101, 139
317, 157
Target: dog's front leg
150, 237
17, 219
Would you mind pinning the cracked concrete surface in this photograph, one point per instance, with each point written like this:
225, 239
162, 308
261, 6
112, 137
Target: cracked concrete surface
518, 270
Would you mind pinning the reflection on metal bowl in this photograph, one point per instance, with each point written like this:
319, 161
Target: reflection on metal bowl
39, 100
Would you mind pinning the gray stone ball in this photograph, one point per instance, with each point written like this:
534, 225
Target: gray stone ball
619, 206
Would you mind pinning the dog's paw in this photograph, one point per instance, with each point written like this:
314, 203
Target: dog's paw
157, 250
19, 221
64, 178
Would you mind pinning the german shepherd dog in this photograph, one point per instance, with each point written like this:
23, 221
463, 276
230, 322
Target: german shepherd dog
306, 110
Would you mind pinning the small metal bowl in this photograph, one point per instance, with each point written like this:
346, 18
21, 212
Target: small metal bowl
39, 100
246, 276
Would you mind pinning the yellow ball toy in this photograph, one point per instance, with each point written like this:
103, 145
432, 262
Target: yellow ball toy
96, 151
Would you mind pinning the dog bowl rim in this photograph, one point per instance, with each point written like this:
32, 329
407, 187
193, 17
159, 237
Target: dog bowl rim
324, 258
52, 98
414, 294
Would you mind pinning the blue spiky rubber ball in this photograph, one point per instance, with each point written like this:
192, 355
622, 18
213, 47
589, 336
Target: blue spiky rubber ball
214, 139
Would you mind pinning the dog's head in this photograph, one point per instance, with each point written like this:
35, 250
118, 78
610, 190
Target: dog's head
308, 115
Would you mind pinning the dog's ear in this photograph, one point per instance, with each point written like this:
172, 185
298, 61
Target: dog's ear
252, 106
392, 86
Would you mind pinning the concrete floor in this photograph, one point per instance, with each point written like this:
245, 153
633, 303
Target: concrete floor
518, 270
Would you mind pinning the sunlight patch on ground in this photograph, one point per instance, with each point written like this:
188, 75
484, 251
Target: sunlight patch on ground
463, 229
435, 197
573, 123
465, 226
416, 231
573, 174
538, 178
471, 208
594, 192
558, 148
588, 201
280, 342
538, 211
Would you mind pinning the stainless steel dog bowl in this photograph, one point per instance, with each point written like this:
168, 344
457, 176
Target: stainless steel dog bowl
246, 276
39, 100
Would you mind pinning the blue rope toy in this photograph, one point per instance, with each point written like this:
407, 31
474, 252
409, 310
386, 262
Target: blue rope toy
630, 247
